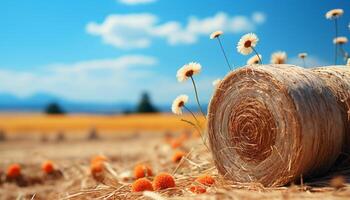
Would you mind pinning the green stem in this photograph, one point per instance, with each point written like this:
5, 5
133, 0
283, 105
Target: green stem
199, 130
257, 55
343, 52
193, 115
336, 45
223, 51
197, 98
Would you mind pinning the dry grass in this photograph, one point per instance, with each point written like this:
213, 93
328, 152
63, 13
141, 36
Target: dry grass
124, 151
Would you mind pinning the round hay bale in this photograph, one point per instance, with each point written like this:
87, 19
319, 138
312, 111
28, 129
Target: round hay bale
272, 124
337, 79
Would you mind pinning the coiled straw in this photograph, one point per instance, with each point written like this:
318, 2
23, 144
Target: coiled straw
337, 79
274, 123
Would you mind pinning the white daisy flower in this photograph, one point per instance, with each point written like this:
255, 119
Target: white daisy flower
279, 57
254, 60
178, 103
187, 71
247, 43
335, 13
302, 55
340, 40
216, 82
215, 34
348, 63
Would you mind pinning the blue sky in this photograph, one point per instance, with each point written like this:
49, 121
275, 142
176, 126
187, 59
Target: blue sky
111, 50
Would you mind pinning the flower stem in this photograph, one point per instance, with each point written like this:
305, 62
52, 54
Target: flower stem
343, 52
223, 51
197, 98
199, 130
304, 62
336, 45
192, 124
194, 116
257, 55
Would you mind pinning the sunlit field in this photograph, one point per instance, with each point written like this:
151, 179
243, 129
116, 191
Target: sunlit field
14, 123
160, 141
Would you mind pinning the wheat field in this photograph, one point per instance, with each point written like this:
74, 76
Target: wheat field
26, 122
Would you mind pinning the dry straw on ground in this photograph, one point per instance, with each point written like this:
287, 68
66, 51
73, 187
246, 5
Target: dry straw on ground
273, 124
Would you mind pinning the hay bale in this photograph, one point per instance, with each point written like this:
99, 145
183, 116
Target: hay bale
337, 79
273, 123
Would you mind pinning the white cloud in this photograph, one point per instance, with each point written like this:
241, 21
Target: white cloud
120, 63
138, 30
136, 2
310, 61
115, 79
259, 17
125, 31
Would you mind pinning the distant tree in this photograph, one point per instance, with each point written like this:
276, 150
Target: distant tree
127, 112
54, 108
145, 105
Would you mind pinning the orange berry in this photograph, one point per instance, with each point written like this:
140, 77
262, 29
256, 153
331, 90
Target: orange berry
96, 168
48, 167
163, 181
142, 184
178, 156
14, 171
98, 158
206, 180
198, 189
142, 170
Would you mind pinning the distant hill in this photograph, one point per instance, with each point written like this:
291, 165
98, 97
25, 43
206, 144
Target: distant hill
37, 103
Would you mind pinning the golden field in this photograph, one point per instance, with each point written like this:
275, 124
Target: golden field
23, 122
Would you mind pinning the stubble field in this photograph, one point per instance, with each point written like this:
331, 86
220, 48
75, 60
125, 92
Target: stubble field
71, 141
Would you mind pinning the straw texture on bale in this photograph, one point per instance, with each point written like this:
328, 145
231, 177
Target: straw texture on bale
273, 123
337, 79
